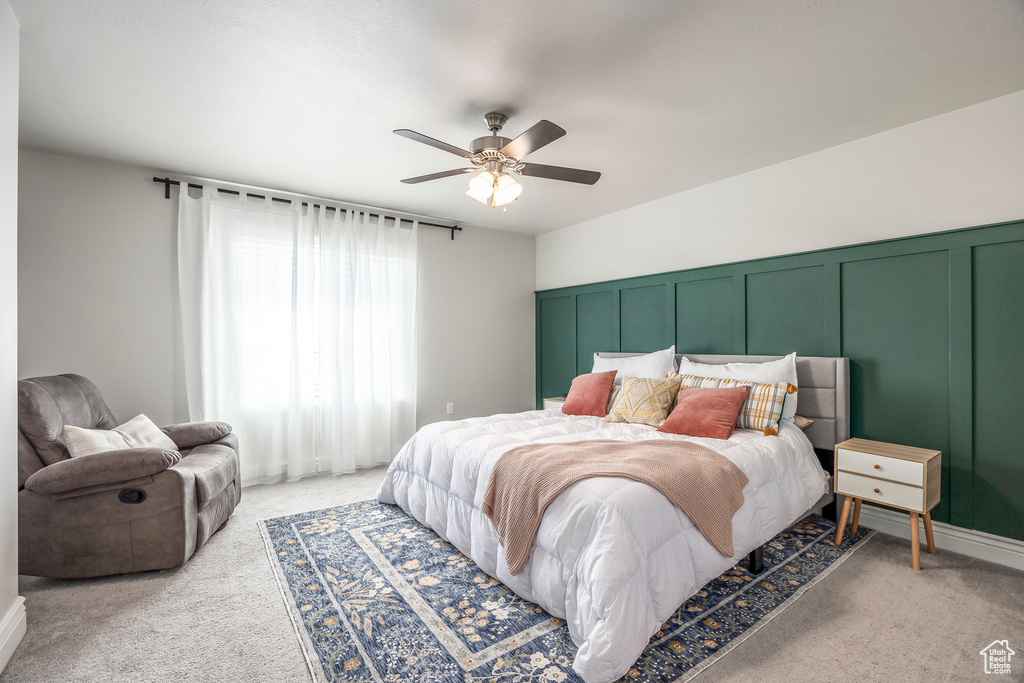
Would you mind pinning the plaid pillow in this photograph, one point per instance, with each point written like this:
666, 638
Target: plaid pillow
644, 400
763, 407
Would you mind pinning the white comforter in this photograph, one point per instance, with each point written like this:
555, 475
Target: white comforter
612, 556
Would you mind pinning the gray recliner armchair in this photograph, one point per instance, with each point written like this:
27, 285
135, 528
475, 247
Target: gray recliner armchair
118, 511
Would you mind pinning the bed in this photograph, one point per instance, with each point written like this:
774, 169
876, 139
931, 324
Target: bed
612, 556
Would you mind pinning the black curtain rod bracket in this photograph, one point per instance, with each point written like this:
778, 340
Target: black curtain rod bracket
167, 182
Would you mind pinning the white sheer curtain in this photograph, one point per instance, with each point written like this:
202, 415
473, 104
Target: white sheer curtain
299, 329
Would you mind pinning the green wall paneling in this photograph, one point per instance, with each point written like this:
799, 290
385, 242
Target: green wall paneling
597, 327
704, 316
833, 309
739, 314
895, 315
961, 382
643, 318
933, 326
557, 334
998, 472
786, 312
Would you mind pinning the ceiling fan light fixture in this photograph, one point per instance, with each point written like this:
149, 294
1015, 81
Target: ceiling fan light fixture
493, 156
481, 187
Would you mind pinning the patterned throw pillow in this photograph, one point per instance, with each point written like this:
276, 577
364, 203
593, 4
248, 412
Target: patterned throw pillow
644, 400
613, 398
763, 407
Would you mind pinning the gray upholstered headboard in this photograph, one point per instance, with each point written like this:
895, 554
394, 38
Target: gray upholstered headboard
824, 394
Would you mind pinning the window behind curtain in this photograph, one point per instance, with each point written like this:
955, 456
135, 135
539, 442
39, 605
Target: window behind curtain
301, 333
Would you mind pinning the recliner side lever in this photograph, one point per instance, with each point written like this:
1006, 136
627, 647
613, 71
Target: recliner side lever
131, 496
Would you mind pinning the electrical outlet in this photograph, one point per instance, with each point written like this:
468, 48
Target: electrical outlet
451, 408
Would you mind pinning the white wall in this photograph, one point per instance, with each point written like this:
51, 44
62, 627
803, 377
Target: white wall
12, 611
476, 323
958, 170
98, 296
97, 280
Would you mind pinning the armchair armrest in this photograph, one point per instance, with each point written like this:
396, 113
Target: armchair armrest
109, 467
192, 434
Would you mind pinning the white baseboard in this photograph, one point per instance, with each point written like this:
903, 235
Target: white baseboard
12, 629
1004, 551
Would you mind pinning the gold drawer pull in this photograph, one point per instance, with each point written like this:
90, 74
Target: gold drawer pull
878, 467
877, 491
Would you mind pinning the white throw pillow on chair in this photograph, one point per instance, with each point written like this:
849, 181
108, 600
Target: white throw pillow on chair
138, 432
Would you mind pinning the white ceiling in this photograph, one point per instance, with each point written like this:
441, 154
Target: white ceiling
660, 97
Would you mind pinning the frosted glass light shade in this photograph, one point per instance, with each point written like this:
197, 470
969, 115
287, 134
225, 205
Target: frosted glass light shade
508, 190
481, 186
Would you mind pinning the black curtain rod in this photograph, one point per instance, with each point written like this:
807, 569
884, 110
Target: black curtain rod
167, 182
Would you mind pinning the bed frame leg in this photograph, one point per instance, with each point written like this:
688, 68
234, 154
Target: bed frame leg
755, 561
830, 511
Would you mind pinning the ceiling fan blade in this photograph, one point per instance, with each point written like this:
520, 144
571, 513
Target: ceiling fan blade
427, 140
435, 176
571, 175
533, 139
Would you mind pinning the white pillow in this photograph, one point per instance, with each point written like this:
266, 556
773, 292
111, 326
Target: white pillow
138, 432
769, 372
650, 365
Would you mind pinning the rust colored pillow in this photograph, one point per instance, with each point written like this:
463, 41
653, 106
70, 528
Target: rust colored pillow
589, 394
706, 412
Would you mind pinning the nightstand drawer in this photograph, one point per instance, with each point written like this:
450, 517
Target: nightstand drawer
887, 492
907, 471
553, 403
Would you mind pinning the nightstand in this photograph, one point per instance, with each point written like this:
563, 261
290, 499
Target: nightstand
554, 403
898, 476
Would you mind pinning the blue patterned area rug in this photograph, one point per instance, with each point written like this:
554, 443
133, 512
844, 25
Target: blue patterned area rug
375, 596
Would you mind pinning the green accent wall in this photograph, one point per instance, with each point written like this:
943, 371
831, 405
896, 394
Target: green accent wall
997, 477
933, 326
704, 315
895, 314
597, 328
643, 324
556, 334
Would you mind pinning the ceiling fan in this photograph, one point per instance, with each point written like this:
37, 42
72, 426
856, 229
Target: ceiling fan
495, 159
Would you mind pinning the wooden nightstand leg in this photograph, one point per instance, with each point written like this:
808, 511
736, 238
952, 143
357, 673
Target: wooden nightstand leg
915, 540
928, 532
842, 519
856, 516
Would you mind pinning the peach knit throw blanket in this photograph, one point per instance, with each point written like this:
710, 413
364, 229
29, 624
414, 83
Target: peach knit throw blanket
704, 484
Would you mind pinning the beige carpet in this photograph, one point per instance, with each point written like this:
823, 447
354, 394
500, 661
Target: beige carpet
221, 617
